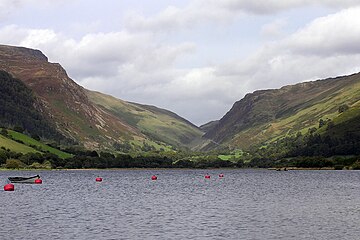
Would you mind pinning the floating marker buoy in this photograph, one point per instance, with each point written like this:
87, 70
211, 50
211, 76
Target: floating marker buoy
98, 179
207, 176
9, 187
221, 175
154, 177
38, 181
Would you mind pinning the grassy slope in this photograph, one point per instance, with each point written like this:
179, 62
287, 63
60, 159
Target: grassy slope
28, 141
158, 124
344, 123
15, 146
324, 107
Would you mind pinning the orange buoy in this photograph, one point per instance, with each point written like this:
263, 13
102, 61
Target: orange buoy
154, 177
98, 179
207, 176
38, 181
221, 175
9, 187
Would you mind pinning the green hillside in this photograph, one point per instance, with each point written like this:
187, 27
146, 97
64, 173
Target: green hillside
157, 124
333, 143
28, 141
21, 143
15, 146
265, 116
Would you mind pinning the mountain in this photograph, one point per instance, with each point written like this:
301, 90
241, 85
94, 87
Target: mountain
266, 115
156, 123
88, 117
207, 127
19, 109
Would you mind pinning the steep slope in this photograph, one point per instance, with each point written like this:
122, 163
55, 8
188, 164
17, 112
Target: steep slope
63, 101
97, 121
19, 108
158, 124
21, 143
269, 114
207, 127
7, 143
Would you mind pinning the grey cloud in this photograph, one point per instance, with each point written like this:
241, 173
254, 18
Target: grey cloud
203, 11
273, 6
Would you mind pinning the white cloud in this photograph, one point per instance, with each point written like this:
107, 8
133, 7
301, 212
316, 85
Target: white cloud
272, 6
273, 29
334, 34
8, 6
328, 46
141, 65
203, 11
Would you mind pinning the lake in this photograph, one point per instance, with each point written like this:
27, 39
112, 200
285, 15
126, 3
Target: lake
182, 204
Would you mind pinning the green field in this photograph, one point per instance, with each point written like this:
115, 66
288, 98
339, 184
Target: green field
29, 142
233, 156
15, 146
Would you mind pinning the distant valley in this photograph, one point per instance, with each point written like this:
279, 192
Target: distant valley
265, 128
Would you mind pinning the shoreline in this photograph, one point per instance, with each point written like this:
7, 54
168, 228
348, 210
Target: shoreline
166, 169
299, 168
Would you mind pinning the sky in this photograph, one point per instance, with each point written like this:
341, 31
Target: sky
193, 57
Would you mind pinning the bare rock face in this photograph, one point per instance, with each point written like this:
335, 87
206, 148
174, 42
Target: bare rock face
63, 101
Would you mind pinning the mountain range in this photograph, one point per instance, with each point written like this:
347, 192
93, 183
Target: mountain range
71, 113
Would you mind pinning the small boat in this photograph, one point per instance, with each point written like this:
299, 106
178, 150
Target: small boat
24, 179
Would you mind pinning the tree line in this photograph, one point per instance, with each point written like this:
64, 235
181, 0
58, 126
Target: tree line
92, 159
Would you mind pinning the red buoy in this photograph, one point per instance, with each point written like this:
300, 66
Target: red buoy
207, 176
221, 175
9, 187
38, 181
98, 179
154, 177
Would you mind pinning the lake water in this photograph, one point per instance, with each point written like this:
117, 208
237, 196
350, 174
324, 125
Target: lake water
182, 204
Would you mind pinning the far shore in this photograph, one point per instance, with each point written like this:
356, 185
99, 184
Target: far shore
300, 168
160, 169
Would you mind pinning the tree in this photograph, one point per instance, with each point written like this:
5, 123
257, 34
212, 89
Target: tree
343, 108
4, 132
321, 123
19, 129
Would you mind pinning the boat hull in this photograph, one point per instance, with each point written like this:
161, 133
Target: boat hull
29, 180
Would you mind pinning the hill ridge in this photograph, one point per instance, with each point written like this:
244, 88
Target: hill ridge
268, 109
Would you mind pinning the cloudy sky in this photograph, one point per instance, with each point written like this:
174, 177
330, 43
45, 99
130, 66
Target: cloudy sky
194, 57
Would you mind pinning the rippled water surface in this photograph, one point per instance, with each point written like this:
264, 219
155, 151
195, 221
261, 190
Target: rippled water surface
182, 204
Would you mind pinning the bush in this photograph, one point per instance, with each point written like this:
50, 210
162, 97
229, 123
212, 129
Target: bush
339, 167
356, 166
14, 163
45, 165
